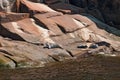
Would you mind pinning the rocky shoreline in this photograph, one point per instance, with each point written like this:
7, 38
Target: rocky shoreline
39, 35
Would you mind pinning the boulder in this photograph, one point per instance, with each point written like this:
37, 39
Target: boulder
66, 24
50, 36
27, 30
58, 23
38, 7
24, 54
5, 62
44, 19
10, 17
66, 8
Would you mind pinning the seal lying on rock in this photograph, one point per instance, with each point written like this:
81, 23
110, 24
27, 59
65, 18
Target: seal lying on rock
103, 43
98, 44
82, 46
93, 45
51, 45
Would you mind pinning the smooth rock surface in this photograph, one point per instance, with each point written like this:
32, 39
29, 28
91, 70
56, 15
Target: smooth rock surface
48, 36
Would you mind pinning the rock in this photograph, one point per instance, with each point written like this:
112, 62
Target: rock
60, 23
104, 26
48, 23
50, 36
60, 54
29, 32
38, 7
6, 62
66, 8
65, 23
29, 55
52, 1
37, 1
79, 3
48, 15
90, 33
10, 17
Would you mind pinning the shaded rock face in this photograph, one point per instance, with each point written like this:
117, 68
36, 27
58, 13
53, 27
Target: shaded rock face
30, 31
67, 8
51, 36
106, 10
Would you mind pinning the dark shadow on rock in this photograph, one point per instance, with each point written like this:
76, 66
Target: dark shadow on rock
5, 33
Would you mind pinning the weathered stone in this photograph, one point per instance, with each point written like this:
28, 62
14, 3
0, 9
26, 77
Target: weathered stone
59, 35
56, 22
27, 30
10, 17
5, 62
59, 54
66, 8
65, 23
48, 23
48, 15
30, 54
37, 7
52, 1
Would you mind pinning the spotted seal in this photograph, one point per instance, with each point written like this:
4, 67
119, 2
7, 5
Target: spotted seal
51, 45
